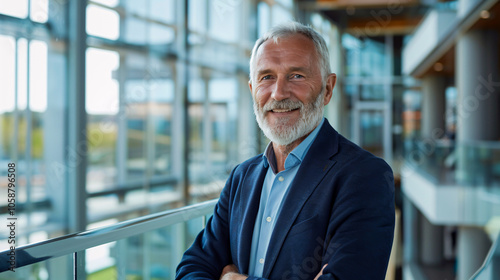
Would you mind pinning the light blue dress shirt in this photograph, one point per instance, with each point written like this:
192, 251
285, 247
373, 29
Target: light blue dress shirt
273, 191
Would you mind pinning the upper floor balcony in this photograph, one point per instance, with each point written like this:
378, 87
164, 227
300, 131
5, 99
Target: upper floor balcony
454, 184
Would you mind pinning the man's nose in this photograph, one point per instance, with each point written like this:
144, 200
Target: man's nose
281, 90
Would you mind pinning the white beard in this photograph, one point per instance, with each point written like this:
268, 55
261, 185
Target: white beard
284, 134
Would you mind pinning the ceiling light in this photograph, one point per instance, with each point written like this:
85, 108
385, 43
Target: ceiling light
485, 14
438, 66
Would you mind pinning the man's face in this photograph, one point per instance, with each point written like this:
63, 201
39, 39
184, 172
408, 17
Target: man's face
287, 88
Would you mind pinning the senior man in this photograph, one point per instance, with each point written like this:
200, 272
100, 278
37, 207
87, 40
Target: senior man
314, 205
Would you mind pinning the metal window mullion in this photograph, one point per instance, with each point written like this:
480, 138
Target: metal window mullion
150, 141
183, 78
77, 127
146, 255
387, 139
79, 272
150, 137
121, 141
207, 130
356, 111
15, 143
28, 141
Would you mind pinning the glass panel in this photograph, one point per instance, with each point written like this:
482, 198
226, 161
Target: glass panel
160, 35
197, 15
102, 107
469, 164
224, 21
287, 3
38, 76
280, 15
373, 58
372, 136
38, 106
39, 10
162, 96
136, 7
213, 130
103, 22
264, 15
109, 3
135, 30
491, 266
7, 106
153, 255
352, 48
372, 92
162, 10
57, 268
99, 262
197, 159
14, 8
22, 74
223, 114
136, 128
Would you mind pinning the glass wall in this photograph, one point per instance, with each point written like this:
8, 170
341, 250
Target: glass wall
167, 109
374, 87
30, 120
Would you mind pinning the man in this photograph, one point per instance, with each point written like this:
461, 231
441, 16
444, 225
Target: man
314, 205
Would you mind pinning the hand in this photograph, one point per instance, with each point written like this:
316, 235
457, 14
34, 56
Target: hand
231, 272
320, 273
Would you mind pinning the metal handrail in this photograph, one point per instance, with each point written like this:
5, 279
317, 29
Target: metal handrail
494, 251
69, 244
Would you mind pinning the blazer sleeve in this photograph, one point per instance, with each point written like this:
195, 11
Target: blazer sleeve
210, 251
361, 224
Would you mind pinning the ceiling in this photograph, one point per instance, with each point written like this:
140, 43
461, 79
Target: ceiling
371, 17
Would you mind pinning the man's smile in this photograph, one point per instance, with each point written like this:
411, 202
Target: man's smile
283, 110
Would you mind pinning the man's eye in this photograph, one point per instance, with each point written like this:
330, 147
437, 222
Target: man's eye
297, 76
267, 77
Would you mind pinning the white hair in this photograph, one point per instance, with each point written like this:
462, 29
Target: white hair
289, 29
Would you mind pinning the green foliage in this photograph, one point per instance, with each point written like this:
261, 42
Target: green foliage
104, 274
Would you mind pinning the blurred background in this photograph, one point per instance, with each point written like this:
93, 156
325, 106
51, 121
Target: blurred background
115, 110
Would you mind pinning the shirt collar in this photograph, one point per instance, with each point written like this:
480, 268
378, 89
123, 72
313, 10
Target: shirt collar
296, 155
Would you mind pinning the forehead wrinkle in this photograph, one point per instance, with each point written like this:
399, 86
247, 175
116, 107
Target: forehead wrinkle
302, 50
282, 62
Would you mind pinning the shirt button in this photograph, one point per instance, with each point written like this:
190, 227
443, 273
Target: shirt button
261, 261
268, 219
281, 178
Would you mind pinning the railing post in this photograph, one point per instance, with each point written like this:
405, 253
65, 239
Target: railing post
79, 272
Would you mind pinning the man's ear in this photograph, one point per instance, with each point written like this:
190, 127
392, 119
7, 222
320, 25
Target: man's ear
330, 84
250, 85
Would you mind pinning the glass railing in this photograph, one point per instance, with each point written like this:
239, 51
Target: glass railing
448, 163
148, 247
490, 270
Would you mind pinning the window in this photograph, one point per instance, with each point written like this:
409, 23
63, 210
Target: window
145, 90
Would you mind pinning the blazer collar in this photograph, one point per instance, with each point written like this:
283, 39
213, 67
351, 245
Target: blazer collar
315, 166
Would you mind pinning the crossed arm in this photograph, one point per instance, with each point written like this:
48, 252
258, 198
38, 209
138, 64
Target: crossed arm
230, 272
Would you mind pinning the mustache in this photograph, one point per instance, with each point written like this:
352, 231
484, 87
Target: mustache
282, 104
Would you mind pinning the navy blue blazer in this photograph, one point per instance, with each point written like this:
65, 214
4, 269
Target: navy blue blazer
339, 211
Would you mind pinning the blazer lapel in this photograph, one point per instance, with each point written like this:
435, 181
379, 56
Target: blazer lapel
314, 167
249, 206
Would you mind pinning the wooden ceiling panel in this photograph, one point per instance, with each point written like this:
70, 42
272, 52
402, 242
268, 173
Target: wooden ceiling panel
341, 4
